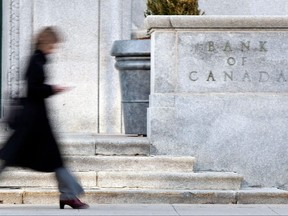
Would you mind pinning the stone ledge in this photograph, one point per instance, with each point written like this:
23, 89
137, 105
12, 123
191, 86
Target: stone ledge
262, 196
122, 146
11, 196
120, 196
125, 179
168, 180
83, 145
131, 163
216, 22
131, 48
38, 179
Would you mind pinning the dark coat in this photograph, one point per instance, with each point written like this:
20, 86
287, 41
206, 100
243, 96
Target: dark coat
33, 144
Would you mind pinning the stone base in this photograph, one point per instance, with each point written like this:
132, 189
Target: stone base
219, 93
245, 133
38, 196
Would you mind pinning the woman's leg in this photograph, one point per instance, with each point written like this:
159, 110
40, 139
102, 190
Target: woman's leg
69, 189
68, 186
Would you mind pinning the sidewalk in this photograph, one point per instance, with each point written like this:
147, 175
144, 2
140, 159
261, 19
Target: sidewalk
142, 209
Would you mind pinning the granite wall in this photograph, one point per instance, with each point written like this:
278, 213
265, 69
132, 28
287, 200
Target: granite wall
219, 93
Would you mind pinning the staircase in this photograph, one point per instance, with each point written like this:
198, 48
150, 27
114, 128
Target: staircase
120, 169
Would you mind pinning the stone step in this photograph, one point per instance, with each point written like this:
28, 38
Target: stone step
122, 145
21, 178
127, 163
174, 180
106, 145
161, 180
44, 196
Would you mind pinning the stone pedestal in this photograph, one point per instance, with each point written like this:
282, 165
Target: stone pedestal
219, 93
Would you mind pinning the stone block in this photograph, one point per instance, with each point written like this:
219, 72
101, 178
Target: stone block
177, 181
227, 102
262, 196
41, 196
134, 196
240, 62
163, 48
168, 24
122, 163
244, 7
35, 179
226, 132
11, 196
78, 145
121, 146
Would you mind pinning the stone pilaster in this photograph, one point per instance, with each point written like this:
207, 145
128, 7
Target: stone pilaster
14, 36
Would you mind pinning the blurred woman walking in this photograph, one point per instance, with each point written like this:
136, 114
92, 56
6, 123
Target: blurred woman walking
33, 144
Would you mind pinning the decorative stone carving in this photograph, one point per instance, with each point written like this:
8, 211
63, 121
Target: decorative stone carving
14, 36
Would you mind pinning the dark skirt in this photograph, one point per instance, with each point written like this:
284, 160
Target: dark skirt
33, 144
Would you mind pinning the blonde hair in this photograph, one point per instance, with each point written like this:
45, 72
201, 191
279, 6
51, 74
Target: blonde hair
48, 35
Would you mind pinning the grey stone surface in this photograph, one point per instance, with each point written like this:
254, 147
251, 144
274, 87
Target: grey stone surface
124, 196
115, 25
241, 133
36, 179
138, 9
131, 48
174, 180
146, 209
226, 210
121, 163
164, 49
133, 63
244, 7
83, 60
212, 22
78, 145
76, 62
123, 146
41, 196
106, 145
11, 196
234, 125
160, 196
262, 196
131, 179
237, 62
279, 209
38, 196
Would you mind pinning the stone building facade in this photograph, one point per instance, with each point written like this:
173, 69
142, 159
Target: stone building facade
83, 60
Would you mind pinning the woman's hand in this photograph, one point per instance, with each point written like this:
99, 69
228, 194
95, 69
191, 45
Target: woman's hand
59, 89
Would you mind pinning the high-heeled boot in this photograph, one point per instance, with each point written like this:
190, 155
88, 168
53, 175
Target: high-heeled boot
74, 203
